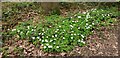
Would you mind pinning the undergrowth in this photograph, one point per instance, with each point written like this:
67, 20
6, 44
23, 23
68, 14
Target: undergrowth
62, 34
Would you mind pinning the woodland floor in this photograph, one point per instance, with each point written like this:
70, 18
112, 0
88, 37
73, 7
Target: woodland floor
101, 43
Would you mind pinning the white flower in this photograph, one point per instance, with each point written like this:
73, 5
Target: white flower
92, 9
27, 32
75, 15
59, 26
82, 39
73, 21
42, 33
95, 9
32, 30
50, 26
88, 27
63, 37
105, 14
84, 12
35, 26
79, 16
74, 34
52, 36
102, 14
70, 17
28, 27
83, 42
46, 36
93, 23
18, 31
64, 30
42, 40
8, 29
46, 40
79, 40
82, 36
72, 31
71, 37
71, 34
55, 35
44, 47
42, 36
92, 31
51, 40
91, 17
57, 46
86, 23
63, 21
33, 37
71, 26
13, 29
49, 46
57, 29
78, 27
38, 37
43, 29
77, 21
108, 14
39, 33
21, 32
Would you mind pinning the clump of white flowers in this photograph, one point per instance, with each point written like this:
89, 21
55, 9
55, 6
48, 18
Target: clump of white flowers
59, 33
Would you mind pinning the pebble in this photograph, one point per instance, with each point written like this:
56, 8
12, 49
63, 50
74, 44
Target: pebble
63, 54
100, 52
